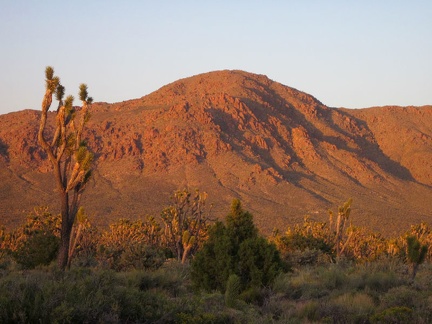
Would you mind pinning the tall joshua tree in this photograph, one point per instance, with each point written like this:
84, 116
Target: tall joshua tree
67, 152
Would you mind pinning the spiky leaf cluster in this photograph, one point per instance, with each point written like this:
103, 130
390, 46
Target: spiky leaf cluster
84, 157
60, 91
49, 72
83, 93
69, 104
51, 81
70, 143
345, 210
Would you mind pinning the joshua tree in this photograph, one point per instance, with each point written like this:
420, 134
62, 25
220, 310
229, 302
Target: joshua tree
185, 223
416, 254
343, 217
67, 152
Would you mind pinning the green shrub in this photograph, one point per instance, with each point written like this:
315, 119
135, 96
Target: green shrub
79, 296
314, 283
348, 308
400, 314
212, 264
279, 309
375, 277
399, 296
258, 263
36, 242
306, 284
332, 277
380, 281
310, 311
171, 277
38, 249
253, 294
232, 290
235, 249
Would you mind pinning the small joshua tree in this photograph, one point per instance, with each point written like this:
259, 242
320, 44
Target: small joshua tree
340, 226
185, 223
416, 254
67, 152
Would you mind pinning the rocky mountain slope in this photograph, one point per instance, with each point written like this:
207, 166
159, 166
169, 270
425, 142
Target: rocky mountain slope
235, 135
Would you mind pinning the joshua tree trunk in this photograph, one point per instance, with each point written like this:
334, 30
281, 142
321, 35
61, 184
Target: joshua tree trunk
66, 230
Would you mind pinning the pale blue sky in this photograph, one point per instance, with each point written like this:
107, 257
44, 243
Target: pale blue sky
346, 53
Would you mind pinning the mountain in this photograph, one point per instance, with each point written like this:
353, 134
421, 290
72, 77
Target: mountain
234, 134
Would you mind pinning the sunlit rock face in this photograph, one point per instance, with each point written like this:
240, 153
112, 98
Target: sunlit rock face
234, 134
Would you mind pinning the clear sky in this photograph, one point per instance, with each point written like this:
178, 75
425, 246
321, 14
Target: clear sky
345, 53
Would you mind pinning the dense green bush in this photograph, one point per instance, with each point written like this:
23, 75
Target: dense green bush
258, 263
36, 242
211, 265
38, 249
236, 248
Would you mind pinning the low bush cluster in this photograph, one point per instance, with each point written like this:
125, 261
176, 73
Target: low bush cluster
131, 273
332, 293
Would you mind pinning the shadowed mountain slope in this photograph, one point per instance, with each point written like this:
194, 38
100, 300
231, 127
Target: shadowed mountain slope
236, 135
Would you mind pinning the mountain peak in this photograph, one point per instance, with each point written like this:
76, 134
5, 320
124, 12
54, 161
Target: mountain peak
240, 135
232, 83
